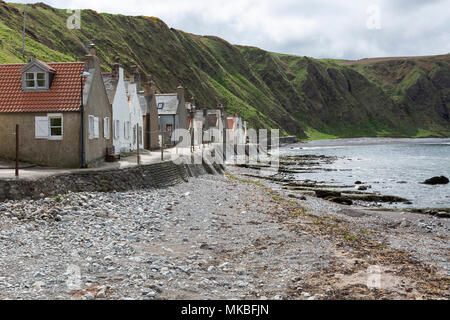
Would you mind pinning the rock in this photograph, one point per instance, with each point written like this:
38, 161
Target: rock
101, 294
224, 265
362, 188
437, 180
242, 284
327, 193
38, 285
443, 214
89, 296
241, 271
211, 269
358, 182
342, 200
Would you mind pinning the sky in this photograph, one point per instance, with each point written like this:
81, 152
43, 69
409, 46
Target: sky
316, 28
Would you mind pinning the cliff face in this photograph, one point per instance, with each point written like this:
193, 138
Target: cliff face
301, 96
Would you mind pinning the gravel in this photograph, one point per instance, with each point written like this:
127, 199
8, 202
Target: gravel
209, 238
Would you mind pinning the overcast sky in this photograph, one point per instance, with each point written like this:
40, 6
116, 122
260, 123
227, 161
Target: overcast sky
317, 28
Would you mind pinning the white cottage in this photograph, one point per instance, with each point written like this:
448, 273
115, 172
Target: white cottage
118, 97
136, 116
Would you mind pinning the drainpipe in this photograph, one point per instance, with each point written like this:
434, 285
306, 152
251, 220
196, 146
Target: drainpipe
82, 151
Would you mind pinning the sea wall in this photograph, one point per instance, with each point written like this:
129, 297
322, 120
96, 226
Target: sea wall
158, 175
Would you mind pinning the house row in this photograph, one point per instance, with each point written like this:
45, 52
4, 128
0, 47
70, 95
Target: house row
73, 114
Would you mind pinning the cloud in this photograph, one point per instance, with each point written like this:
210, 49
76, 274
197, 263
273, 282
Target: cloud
317, 28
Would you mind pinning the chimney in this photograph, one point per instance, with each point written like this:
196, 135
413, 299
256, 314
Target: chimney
92, 50
136, 76
115, 71
91, 60
180, 92
149, 88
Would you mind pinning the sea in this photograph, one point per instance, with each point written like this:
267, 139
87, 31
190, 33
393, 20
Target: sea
390, 166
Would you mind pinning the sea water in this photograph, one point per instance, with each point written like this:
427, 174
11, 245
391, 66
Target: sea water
390, 166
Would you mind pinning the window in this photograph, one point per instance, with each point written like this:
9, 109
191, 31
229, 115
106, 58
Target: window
160, 105
35, 80
91, 127
96, 128
134, 134
106, 128
126, 129
49, 127
169, 127
117, 129
56, 126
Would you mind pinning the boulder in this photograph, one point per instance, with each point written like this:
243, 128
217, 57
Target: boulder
437, 180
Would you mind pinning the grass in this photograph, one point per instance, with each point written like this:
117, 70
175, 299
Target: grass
302, 96
349, 236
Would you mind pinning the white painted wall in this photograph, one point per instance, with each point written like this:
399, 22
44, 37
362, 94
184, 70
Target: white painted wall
121, 113
135, 117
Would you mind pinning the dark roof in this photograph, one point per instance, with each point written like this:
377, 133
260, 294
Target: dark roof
170, 102
110, 86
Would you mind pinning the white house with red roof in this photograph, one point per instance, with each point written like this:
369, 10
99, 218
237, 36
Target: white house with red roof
62, 110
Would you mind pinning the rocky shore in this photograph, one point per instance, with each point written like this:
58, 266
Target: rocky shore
217, 237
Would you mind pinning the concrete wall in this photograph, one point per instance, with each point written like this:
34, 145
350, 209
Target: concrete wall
156, 175
57, 153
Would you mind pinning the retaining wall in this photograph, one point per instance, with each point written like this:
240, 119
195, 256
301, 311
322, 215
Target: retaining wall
158, 175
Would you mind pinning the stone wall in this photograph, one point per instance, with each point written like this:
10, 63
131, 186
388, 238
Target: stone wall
158, 175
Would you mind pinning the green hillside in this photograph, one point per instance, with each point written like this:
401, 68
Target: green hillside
301, 96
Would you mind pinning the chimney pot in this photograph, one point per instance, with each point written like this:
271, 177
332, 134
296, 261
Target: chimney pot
115, 71
92, 50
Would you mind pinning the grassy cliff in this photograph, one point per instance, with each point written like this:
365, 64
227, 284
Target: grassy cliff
301, 96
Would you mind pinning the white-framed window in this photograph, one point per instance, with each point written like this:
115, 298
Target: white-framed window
50, 127
116, 129
106, 134
35, 80
55, 122
126, 129
91, 127
94, 131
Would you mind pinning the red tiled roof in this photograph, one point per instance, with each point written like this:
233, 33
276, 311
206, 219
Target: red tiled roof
64, 93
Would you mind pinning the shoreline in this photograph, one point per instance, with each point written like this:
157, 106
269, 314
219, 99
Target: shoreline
216, 237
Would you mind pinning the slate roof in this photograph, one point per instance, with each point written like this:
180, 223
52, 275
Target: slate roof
143, 103
110, 86
170, 103
64, 93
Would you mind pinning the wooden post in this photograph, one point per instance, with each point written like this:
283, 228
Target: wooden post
162, 145
137, 141
17, 150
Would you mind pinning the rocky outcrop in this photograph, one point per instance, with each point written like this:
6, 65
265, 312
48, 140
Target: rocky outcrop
437, 180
